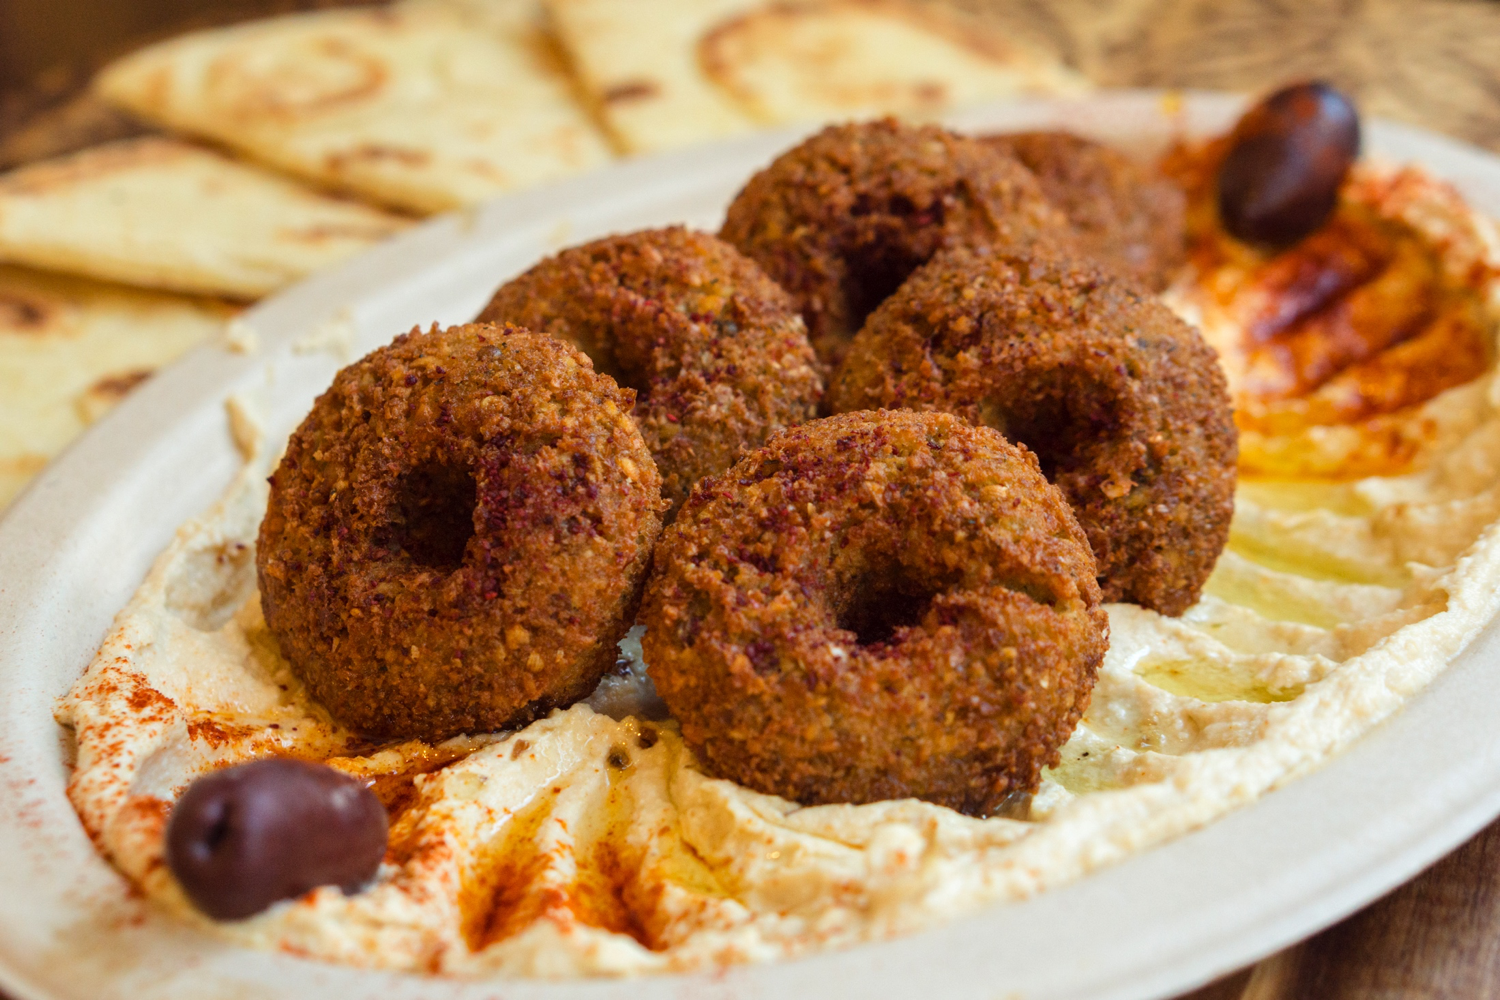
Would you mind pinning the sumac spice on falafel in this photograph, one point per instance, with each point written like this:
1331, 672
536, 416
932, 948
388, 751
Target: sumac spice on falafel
1123, 402
715, 349
842, 219
873, 606
457, 536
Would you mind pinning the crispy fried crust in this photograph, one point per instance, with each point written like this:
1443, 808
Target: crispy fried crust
714, 348
874, 606
842, 219
457, 536
1123, 402
1123, 215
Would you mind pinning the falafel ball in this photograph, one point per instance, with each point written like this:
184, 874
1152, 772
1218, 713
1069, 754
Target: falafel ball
841, 220
1123, 402
1127, 217
458, 534
715, 350
875, 606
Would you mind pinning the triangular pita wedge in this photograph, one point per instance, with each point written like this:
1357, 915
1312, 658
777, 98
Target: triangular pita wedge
165, 214
426, 105
671, 72
70, 349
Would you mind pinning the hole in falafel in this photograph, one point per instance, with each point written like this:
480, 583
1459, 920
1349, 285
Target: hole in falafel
1060, 422
879, 606
630, 368
900, 237
875, 274
437, 502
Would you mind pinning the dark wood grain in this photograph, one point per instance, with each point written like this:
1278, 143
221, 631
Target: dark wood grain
1228, 988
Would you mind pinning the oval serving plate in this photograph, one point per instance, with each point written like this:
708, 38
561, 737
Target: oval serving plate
74, 547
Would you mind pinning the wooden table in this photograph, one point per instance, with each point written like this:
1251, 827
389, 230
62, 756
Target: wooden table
1434, 63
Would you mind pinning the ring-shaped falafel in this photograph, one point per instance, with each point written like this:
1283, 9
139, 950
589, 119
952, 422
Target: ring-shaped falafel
875, 606
715, 350
1123, 215
840, 220
1123, 402
457, 536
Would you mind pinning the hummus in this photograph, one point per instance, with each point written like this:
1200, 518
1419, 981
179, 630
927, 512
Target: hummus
590, 843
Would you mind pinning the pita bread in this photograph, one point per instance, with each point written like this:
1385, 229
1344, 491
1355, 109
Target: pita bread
70, 349
427, 105
671, 72
164, 214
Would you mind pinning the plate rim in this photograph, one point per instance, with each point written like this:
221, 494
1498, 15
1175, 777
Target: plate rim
62, 511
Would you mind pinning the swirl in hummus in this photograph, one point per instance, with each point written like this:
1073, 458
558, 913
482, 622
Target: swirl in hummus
589, 842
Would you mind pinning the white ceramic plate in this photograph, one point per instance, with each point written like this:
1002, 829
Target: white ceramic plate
75, 546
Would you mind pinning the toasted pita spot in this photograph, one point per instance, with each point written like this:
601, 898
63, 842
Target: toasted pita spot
632, 90
22, 465
101, 397
26, 315
929, 92
303, 78
330, 231
371, 151
487, 170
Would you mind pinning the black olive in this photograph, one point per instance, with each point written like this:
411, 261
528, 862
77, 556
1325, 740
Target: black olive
1287, 158
242, 838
